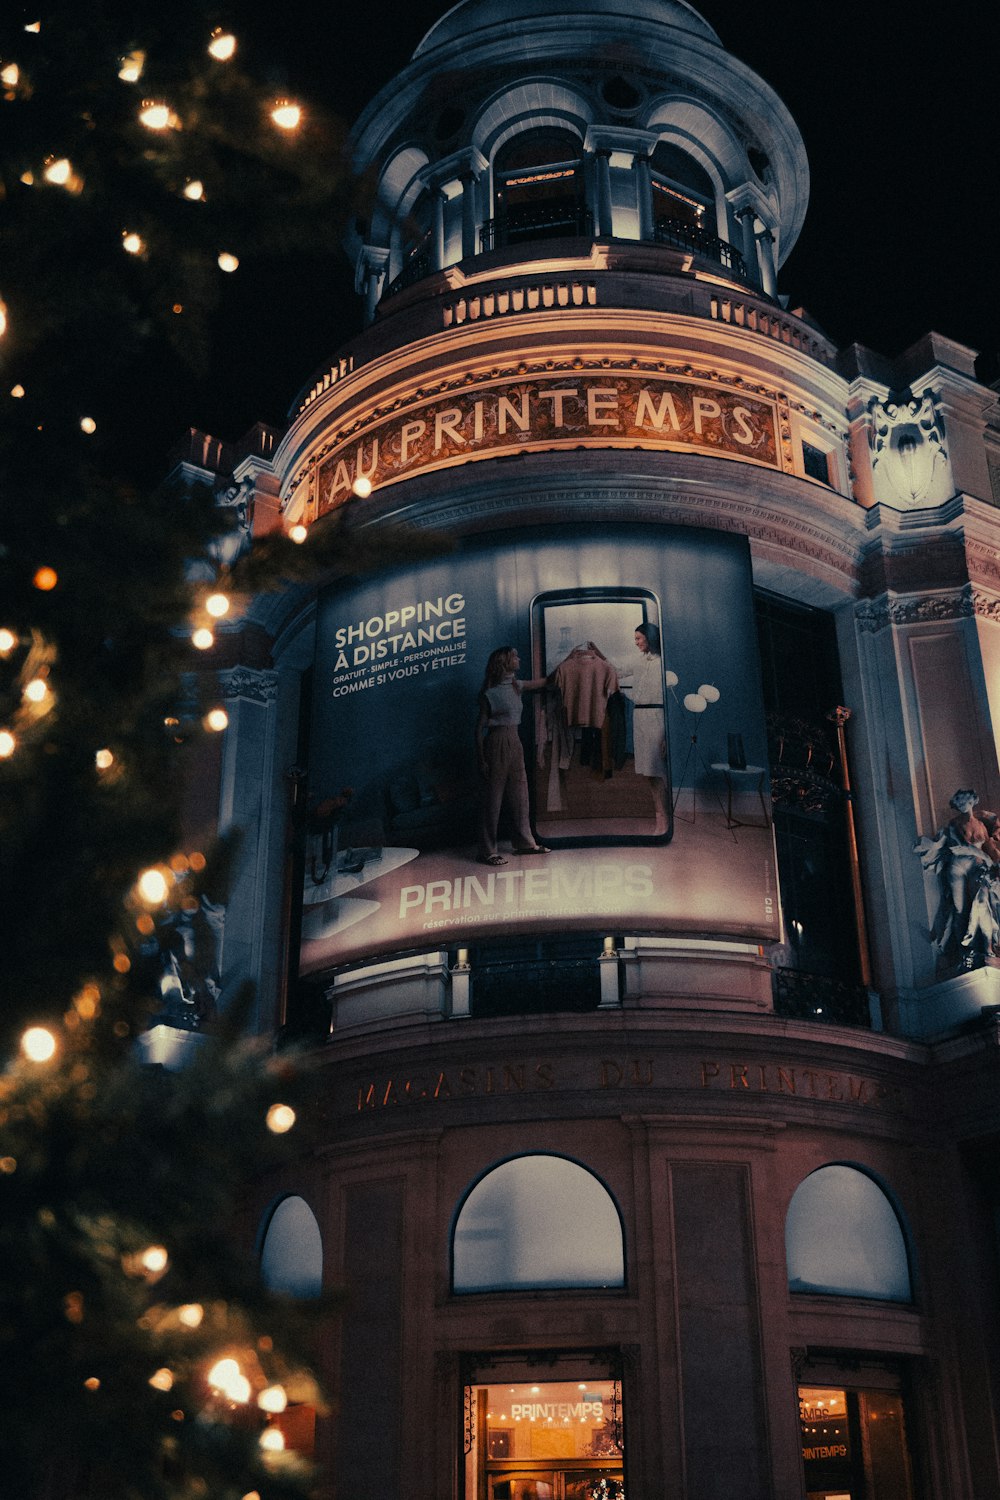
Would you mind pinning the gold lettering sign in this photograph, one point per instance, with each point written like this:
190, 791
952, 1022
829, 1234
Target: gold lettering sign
565, 410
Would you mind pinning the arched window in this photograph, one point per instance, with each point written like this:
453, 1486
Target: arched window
538, 180
537, 1221
682, 190
843, 1237
291, 1254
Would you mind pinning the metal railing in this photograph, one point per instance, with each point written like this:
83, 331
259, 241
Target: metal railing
518, 225
818, 997
417, 267
535, 987
700, 242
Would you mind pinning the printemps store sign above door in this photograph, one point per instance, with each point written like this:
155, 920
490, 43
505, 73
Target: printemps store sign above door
567, 409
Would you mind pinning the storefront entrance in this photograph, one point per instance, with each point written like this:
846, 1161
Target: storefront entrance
545, 1440
854, 1444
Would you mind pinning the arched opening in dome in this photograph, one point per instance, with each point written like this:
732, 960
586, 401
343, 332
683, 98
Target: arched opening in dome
682, 190
539, 186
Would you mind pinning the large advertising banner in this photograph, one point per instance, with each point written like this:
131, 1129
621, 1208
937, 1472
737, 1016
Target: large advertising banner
558, 730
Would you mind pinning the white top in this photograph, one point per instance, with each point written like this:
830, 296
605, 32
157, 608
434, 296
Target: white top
647, 682
505, 704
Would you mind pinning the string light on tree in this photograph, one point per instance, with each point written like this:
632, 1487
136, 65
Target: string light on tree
132, 243
222, 45
45, 579
8, 744
3, 319
195, 191
272, 1440
131, 67
8, 640
362, 487
216, 720
152, 887
280, 1118
10, 75
17, 391
38, 1044
298, 533
156, 115
227, 261
37, 690
228, 1380
273, 1399
162, 1379
203, 639
217, 605
88, 425
58, 170
286, 115
104, 760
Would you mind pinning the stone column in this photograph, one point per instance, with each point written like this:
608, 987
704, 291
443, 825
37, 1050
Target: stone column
437, 229
644, 194
369, 276
470, 212
603, 224
765, 239
746, 218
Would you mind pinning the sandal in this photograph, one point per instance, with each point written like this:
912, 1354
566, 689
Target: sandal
535, 849
492, 859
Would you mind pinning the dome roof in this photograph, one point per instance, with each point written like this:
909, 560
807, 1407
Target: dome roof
470, 16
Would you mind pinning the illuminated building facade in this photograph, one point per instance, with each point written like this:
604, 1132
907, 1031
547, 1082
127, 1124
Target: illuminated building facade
659, 1160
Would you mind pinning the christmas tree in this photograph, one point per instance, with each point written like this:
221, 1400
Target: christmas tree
143, 169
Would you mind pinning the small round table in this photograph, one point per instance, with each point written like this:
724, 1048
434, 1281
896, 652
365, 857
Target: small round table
731, 773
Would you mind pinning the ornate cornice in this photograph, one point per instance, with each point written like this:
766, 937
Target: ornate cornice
873, 615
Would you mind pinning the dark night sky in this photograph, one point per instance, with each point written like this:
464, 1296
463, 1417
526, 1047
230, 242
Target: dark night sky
900, 124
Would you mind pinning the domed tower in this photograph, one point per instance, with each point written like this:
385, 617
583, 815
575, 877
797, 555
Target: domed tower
658, 1113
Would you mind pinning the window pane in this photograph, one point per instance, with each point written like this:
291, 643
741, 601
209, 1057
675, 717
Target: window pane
291, 1258
538, 1221
842, 1237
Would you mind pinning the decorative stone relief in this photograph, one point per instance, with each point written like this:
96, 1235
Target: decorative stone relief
873, 615
909, 460
249, 683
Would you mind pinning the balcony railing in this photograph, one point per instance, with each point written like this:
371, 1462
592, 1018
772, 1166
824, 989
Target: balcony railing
417, 267
553, 220
819, 997
700, 242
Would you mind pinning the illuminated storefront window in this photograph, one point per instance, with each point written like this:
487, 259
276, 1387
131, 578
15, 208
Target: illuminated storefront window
854, 1444
842, 1238
558, 1440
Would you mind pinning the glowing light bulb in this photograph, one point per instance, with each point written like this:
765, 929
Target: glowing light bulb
155, 1258
216, 719
88, 425
191, 1314
272, 1440
17, 391
162, 1379
59, 171
226, 1377
203, 639
155, 115
38, 1044
10, 75
286, 115
45, 579
298, 533
34, 26
8, 744
104, 760
273, 1399
152, 887
228, 262
217, 605
3, 320
194, 190
223, 45
131, 68
132, 243
8, 640
37, 690
27, 178
92, 1383
362, 487
280, 1118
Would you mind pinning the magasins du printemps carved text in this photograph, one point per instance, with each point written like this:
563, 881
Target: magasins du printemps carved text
733, 1078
